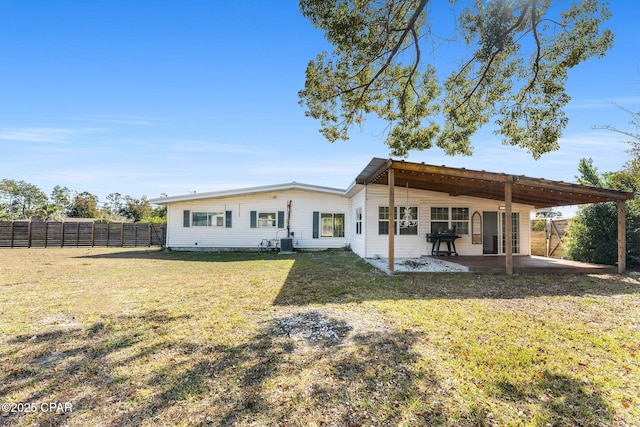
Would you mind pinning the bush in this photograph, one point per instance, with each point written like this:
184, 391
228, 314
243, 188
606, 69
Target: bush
592, 234
155, 219
539, 225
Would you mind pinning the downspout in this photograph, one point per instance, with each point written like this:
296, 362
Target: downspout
288, 219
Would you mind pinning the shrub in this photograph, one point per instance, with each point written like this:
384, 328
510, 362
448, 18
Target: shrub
539, 225
592, 234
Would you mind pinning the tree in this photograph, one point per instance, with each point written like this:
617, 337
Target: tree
21, 199
519, 54
85, 205
136, 209
590, 232
114, 204
62, 197
4, 213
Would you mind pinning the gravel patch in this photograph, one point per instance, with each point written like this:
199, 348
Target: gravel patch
313, 327
328, 327
417, 265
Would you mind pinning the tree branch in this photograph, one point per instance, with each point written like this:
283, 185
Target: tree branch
499, 49
536, 63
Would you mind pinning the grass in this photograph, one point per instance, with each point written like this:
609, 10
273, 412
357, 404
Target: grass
143, 337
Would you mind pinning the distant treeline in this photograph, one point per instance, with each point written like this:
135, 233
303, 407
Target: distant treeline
20, 200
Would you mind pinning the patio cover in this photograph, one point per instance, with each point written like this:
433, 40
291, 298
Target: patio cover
537, 192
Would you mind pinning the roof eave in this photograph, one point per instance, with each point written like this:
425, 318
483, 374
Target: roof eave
247, 191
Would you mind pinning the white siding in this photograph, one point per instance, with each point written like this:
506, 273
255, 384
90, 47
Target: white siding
242, 236
415, 246
304, 202
358, 240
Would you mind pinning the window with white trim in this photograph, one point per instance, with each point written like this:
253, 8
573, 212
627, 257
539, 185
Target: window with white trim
460, 220
358, 220
383, 220
331, 225
445, 218
207, 219
267, 219
515, 237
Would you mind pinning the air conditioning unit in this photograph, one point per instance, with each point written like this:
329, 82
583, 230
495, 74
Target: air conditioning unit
286, 245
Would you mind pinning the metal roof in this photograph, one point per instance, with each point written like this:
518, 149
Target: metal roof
245, 191
538, 192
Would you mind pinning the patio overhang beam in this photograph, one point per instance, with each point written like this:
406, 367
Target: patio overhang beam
539, 193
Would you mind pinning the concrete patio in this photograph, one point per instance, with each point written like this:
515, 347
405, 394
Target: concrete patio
528, 264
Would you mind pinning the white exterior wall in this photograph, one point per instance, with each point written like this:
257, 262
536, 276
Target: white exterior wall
416, 245
358, 241
242, 236
305, 202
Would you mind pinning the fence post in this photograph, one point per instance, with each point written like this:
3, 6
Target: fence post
46, 233
122, 234
13, 224
149, 230
29, 234
547, 229
93, 234
62, 234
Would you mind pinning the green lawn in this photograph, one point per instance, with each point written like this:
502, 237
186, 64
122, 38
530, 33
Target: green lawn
143, 337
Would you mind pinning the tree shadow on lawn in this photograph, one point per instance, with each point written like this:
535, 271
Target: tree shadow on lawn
198, 256
358, 377
342, 277
262, 380
562, 400
76, 365
275, 379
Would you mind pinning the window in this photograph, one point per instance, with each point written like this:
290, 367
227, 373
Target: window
411, 230
439, 220
515, 237
443, 219
331, 225
358, 220
266, 219
383, 220
460, 220
207, 219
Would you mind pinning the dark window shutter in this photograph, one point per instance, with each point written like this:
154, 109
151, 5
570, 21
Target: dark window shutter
227, 220
316, 225
254, 219
280, 219
186, 218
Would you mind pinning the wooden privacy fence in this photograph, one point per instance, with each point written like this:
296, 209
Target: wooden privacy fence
27, 234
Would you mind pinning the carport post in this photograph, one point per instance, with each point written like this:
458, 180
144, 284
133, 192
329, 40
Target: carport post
622, 236
392, 218
508, 226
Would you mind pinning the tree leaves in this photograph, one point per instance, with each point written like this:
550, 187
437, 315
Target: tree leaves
512, 70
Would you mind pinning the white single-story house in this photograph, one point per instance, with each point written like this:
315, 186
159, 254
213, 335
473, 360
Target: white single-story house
423, 198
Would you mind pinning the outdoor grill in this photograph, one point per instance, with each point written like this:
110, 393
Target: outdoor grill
446, 236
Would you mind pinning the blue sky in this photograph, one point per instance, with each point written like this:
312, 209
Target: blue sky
148, 97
